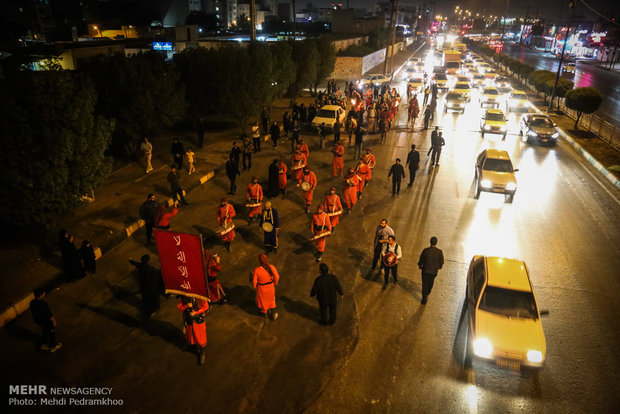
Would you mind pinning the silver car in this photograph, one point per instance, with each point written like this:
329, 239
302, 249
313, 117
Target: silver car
538, 128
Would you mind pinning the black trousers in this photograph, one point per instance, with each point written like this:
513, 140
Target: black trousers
412, 172
324, 309
395, 186
148, 224
435, 155
256, 144
48, 334
427, 284
293, 144
275, 141
426, 120
233, 184
178, 160
387, 271
247, 158
377, 255
179, 192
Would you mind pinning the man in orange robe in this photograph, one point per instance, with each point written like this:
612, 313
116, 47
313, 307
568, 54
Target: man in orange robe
362, 171
332, 204
303, 147
308, 177
351, 184
338, 151
225, 214
215, 291
369, 158
194, 320
298, 161
264, 279
254, 194
320, 223
282, 176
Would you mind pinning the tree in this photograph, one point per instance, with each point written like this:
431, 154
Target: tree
378, 37
326, 60
141, 92
305, 56
53, 145
207, 22
539, 78
584, 101
243, 24
563, 86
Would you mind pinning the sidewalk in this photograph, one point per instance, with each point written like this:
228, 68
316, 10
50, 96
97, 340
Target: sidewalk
113, 216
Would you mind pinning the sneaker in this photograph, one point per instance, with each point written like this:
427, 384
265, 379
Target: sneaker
56, 347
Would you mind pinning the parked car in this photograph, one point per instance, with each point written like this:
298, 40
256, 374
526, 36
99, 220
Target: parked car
328, 115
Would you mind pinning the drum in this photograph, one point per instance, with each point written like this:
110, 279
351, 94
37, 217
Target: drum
267, 227
297, 167
335, 213
220, 231
321, 235
306, 186
251, 204
390, 259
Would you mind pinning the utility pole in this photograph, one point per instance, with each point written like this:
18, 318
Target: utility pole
387, 42
571, 5
393, 38
253, 21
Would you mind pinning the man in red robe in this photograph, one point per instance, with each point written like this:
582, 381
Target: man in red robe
215, 291
254, 195
264, 279
225, 214
338, 151
351, 184
369, 159
303, 147
320, 224
362, 170
194, 320
308, 177
298, 162
282, 176
331, 205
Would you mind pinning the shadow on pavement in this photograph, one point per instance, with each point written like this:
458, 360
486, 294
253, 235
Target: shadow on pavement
304, 243
250, 235
411, 288
357, 255
300, 308
22, 333
209, 237
125, 295
242, 297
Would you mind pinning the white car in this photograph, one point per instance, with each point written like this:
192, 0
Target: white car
328, 115
373, 79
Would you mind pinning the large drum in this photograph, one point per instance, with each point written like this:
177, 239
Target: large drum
306, 186
267, 227
389, 259
251, 204
297, 167
220, 231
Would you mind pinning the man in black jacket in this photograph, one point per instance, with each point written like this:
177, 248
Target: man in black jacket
413, 162
437, 144
431, 262
232, 171
397, 172
275, 133
151, 285
42, 316
175, 184
326, 288
148, 213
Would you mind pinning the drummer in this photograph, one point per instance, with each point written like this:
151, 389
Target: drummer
338, 151
369, 158
215, 292
269, 222
320, 224
309, 177
225, 214
351, 185
390, 248
362, 170
254, 195
303, 147
282, 176
298, 161
333, 205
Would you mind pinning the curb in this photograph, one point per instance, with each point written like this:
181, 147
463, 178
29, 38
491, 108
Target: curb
13, 311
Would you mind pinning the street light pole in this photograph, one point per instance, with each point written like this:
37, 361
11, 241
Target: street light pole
253, 21
571, 5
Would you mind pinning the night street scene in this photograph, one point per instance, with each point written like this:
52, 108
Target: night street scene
273, 206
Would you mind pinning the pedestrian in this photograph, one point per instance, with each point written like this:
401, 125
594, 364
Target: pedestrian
72, 262
147, 151
434, 136
433, 106
333, 207
351, 184
337, 128
264, 119
148, 213
235, 153
349, 126
322, 135
194, 320
175, 185
326, 289
308, 176
191, 159
162, 222
371, 161
88, 257
372, 118
431, 262
427, 91
427, 117
274, 131
286, 123
273, 178
178, 152
321, 228
213, 266
264, 279
303, 114
359, 141
338, 162
362, 170
391, 248
247, 153
254, 199
439, 142
381, 238
294, 136
232, 171
413, 162
224, 216
282, 181
151, 285
397, 172
256, 136
42, 316
269, 225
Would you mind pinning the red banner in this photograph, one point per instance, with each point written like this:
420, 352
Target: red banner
182, 263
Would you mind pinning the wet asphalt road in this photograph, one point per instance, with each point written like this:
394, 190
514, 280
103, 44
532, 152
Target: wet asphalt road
387, 353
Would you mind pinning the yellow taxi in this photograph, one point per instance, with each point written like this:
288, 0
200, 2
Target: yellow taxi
503, 316
416, 82
517, 101
441, 80
464, 89
493, 122
490, 96
495, 174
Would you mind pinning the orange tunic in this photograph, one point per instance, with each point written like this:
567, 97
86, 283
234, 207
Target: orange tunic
264, 283
350, 190
224, 216
332, 203
304, 150
320, 223
195, 333
362, 171
296, 160
254, 194
310, 178
338, 159
282, 176
371, 161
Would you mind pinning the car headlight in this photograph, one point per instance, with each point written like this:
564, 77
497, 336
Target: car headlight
487, 127
503, 128
531, 133
534, 356
511, 186
555, 135
484, 349
486, 184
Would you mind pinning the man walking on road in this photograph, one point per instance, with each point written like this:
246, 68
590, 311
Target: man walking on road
178, 152
427, 116
326, 288
247, 153
413, 162
232, 171
147, 150
382, 233
390, 248
397, 172
275, 133
42, 316
359, 141
256, 137
175, 184
436, 146
431, 262
434, 136
148, 213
